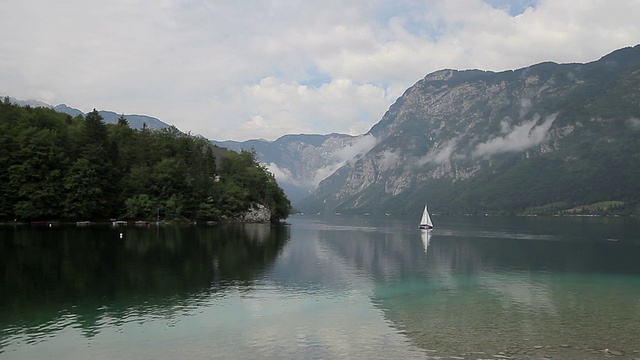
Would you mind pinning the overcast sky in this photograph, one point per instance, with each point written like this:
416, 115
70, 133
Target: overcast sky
261, 69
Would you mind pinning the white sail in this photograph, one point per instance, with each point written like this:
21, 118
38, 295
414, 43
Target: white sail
425, 221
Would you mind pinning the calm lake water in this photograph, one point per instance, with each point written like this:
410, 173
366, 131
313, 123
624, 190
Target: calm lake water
324, 288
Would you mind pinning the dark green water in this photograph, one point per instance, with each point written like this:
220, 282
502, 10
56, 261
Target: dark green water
331, 288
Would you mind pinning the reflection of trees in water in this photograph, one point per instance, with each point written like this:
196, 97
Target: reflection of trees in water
87, 274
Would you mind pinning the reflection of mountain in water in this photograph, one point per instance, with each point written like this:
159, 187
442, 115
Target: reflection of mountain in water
500, 291
387, 253
86, 274
382, 254
513, 295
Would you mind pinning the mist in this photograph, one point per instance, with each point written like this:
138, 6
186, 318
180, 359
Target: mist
341, 157
440, 156
522, 137
359, 146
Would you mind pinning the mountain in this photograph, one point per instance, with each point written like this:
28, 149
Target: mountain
110, 117
534, 140
68, 110
135, 121
300, 162
538, 139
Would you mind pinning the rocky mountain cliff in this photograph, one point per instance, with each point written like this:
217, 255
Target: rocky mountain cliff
549, 136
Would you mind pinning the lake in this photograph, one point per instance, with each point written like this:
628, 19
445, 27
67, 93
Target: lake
334, 287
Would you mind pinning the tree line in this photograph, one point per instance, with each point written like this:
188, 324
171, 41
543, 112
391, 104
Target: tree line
55, 166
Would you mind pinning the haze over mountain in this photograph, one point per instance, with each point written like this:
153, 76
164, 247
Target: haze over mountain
300, 162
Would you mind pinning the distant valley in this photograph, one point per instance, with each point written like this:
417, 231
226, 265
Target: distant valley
300, 162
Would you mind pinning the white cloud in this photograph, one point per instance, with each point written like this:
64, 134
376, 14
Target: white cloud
273, 108
347, 154
282, 174
359, 146
440, 155
257, 69
339, 158
634, 123
522, 137
324, 173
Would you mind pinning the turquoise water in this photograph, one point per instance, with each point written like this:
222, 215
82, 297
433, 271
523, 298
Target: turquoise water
330, 288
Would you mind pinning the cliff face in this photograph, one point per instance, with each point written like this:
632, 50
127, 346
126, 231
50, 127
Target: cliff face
484, 141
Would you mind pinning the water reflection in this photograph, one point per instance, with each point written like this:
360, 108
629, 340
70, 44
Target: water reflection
82, 277
513, 287
426, 237
346, 287
519, 299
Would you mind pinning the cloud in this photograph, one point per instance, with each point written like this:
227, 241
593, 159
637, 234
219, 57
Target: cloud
440, 155
341, 157
359, 146
282, 174
522, 137
273, 108
324, 173
634, 123
262, 69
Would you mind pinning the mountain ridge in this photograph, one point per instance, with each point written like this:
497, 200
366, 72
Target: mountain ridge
453, 133
109, 117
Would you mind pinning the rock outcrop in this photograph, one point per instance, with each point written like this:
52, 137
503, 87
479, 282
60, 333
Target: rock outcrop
257, 213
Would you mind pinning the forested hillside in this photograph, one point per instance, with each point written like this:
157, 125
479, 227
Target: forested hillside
54, 166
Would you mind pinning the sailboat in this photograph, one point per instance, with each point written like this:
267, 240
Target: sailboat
425, 221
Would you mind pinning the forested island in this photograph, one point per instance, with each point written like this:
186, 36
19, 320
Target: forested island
57, 167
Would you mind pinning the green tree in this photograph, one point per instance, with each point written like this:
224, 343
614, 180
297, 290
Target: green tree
122, 121
140, 206
244, 181
37, 177
83, 198
53, 166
